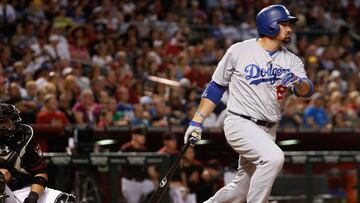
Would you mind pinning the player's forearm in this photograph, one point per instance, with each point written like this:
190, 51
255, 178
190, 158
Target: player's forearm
205, 108
210, 98
37, 187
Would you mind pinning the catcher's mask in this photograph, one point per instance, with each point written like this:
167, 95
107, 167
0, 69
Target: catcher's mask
9, 118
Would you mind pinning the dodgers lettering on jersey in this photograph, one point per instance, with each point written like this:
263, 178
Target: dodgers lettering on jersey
253, 78
259, 75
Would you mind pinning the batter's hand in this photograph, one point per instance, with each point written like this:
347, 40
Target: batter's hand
291, 79
194, 130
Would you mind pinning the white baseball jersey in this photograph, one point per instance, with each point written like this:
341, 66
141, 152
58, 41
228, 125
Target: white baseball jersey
253, 78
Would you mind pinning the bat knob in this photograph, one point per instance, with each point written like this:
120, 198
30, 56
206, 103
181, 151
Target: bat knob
193, 138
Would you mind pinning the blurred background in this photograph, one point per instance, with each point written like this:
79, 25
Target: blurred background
109, 87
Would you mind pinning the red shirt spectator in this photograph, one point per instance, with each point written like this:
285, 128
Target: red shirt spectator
50, 113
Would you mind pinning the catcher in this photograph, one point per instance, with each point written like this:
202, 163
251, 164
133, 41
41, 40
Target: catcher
23, 176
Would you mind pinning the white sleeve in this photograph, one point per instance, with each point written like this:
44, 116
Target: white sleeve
224, 69
297, 67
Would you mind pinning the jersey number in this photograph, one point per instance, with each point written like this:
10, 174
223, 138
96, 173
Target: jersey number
280, 92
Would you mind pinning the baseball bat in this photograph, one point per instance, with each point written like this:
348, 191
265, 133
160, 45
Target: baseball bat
164, 183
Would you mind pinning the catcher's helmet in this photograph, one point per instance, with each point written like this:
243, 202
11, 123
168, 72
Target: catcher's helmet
9, 118
268, 18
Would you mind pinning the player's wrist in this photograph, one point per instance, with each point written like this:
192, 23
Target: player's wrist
197, 119
198, 113
195, 123
304, 89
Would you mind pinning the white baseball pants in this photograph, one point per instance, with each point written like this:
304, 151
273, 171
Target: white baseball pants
260, 161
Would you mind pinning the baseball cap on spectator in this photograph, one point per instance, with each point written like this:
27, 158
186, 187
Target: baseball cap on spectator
9, 70
53, 38
169, 136
14, 78
145, 100
214, 164
100, 27
47, 66
75, 28
158, 43
312, 59
184, 82
317, 96
52, 74
66, 71
335, 74
120, 55
139, 130
18, 63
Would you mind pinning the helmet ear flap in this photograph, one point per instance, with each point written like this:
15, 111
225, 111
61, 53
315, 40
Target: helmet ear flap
274, 29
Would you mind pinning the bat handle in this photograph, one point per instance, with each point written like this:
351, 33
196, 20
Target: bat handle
192, 138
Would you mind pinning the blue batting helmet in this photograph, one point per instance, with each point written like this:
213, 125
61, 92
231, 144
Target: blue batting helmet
268, 18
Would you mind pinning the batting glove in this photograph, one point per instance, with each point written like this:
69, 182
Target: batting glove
291, 79
193, 133
32, 197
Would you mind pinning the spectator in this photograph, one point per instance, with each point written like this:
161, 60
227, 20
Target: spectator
102, 57
162, 115
66, 107
190, 110
111, 82
86, 111
3, 90
169, 147
110, 116
78, 44
191, 172
292, 114
211, 180
135, 183
82, 80
315, 115
139, 116
50, 114
56, 49
97, 85
169, 144
122, 95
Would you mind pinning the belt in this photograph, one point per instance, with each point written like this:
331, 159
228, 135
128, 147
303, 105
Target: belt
256, 121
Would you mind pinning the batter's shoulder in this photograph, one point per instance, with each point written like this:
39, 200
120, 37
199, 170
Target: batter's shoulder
288, 52
243, 44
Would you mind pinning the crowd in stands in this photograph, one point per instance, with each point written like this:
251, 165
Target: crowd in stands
87, 62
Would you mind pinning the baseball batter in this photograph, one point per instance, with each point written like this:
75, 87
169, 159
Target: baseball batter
257, 74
